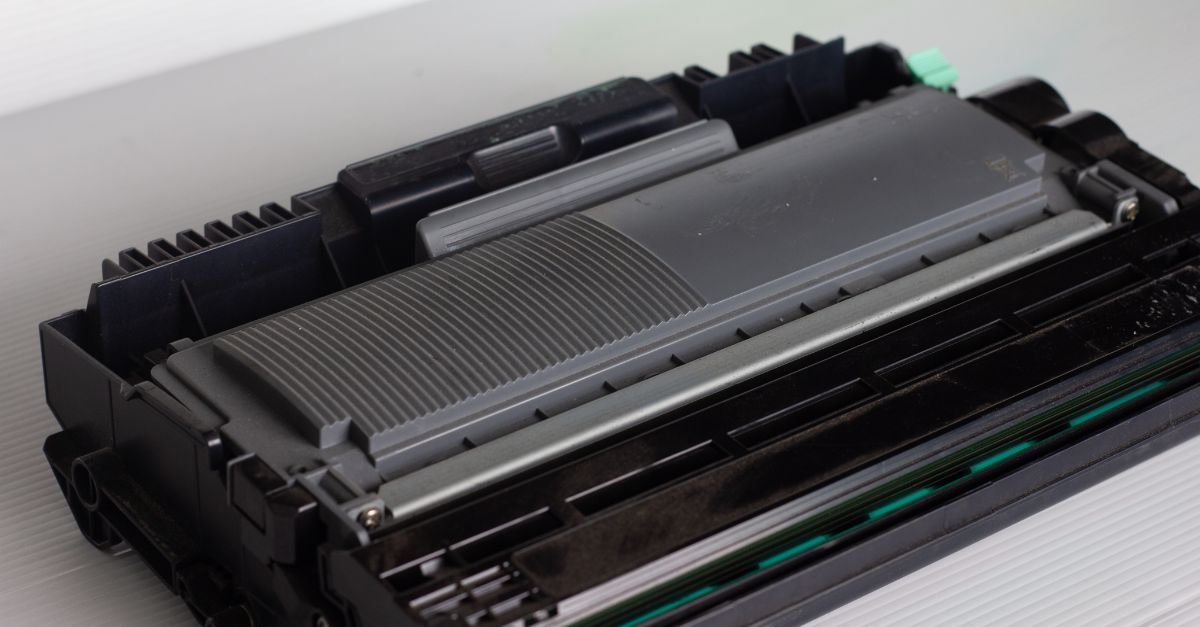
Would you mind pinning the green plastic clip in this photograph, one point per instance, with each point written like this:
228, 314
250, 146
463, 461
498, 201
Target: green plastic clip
929, 67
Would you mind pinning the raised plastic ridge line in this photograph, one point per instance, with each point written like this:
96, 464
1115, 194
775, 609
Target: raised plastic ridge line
507, 455
575, 187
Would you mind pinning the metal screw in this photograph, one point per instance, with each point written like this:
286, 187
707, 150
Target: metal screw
1128, 210
371, 517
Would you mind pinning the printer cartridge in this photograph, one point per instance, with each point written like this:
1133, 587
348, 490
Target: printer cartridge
721, 349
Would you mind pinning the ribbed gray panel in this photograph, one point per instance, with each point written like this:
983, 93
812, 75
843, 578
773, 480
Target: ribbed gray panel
380, 356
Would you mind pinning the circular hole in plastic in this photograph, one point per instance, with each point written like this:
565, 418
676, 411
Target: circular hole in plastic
85, 485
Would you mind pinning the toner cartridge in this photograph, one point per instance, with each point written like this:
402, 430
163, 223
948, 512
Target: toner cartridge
704, 349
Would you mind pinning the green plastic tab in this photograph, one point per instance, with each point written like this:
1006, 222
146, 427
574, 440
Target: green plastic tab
929, 67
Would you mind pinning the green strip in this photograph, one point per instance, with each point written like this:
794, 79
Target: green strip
794, 551
907, 499
668, 607
1001, 456
1117, 402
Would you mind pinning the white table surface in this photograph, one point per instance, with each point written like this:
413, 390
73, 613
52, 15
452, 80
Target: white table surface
85, 177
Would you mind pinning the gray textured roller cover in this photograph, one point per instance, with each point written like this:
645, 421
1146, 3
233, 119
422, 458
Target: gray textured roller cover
380, 356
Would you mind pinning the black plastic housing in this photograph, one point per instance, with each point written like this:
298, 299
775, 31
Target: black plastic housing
245, 543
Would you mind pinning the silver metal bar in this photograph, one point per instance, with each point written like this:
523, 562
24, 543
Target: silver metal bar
717, 546
501, 458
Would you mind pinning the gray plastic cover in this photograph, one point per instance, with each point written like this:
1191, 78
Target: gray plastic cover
574, 187
429, 361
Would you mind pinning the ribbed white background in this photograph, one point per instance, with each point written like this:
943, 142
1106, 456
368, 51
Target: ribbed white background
87, 176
